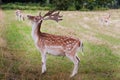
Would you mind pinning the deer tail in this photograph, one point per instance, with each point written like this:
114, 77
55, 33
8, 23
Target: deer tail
81, 48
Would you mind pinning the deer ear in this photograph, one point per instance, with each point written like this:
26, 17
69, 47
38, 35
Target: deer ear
30, 17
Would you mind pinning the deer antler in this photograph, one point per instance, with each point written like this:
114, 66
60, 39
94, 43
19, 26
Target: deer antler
52, 16
49, 13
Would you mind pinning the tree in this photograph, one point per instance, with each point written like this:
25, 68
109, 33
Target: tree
118, 2
62, 4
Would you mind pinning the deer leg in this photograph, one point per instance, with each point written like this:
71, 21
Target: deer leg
43, 55
19, 18
107, 22
76, 64
16, 17
75, 60
78, 59
23, 18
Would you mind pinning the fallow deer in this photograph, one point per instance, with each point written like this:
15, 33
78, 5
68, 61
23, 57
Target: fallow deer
20, 15
105, 19
54, 44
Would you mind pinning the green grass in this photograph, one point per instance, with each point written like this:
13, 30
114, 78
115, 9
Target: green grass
21, 60
110, 39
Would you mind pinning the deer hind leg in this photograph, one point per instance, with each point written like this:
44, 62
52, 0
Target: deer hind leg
107, 22
16, 17
43, 55
78, 59
19, 17
75, 59
23, 18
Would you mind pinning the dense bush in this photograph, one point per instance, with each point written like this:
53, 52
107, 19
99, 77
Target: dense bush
64, 4
24, 6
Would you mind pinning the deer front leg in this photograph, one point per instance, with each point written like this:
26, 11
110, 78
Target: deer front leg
19, 18
43, 55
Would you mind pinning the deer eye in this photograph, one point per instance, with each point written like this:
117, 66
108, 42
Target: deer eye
35, 19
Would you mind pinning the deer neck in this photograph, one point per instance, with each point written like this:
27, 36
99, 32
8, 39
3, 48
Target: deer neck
36, 31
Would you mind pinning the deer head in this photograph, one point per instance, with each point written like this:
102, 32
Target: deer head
37, 21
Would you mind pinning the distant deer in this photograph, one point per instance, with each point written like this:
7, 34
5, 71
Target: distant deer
105, 19
54, 44
20, 15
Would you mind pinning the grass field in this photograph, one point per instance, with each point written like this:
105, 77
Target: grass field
20, 60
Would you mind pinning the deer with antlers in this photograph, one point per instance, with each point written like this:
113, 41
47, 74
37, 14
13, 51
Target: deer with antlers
105, 19
20, 15
54, 44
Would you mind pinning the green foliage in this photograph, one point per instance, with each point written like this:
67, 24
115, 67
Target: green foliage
62, 4
24, 6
